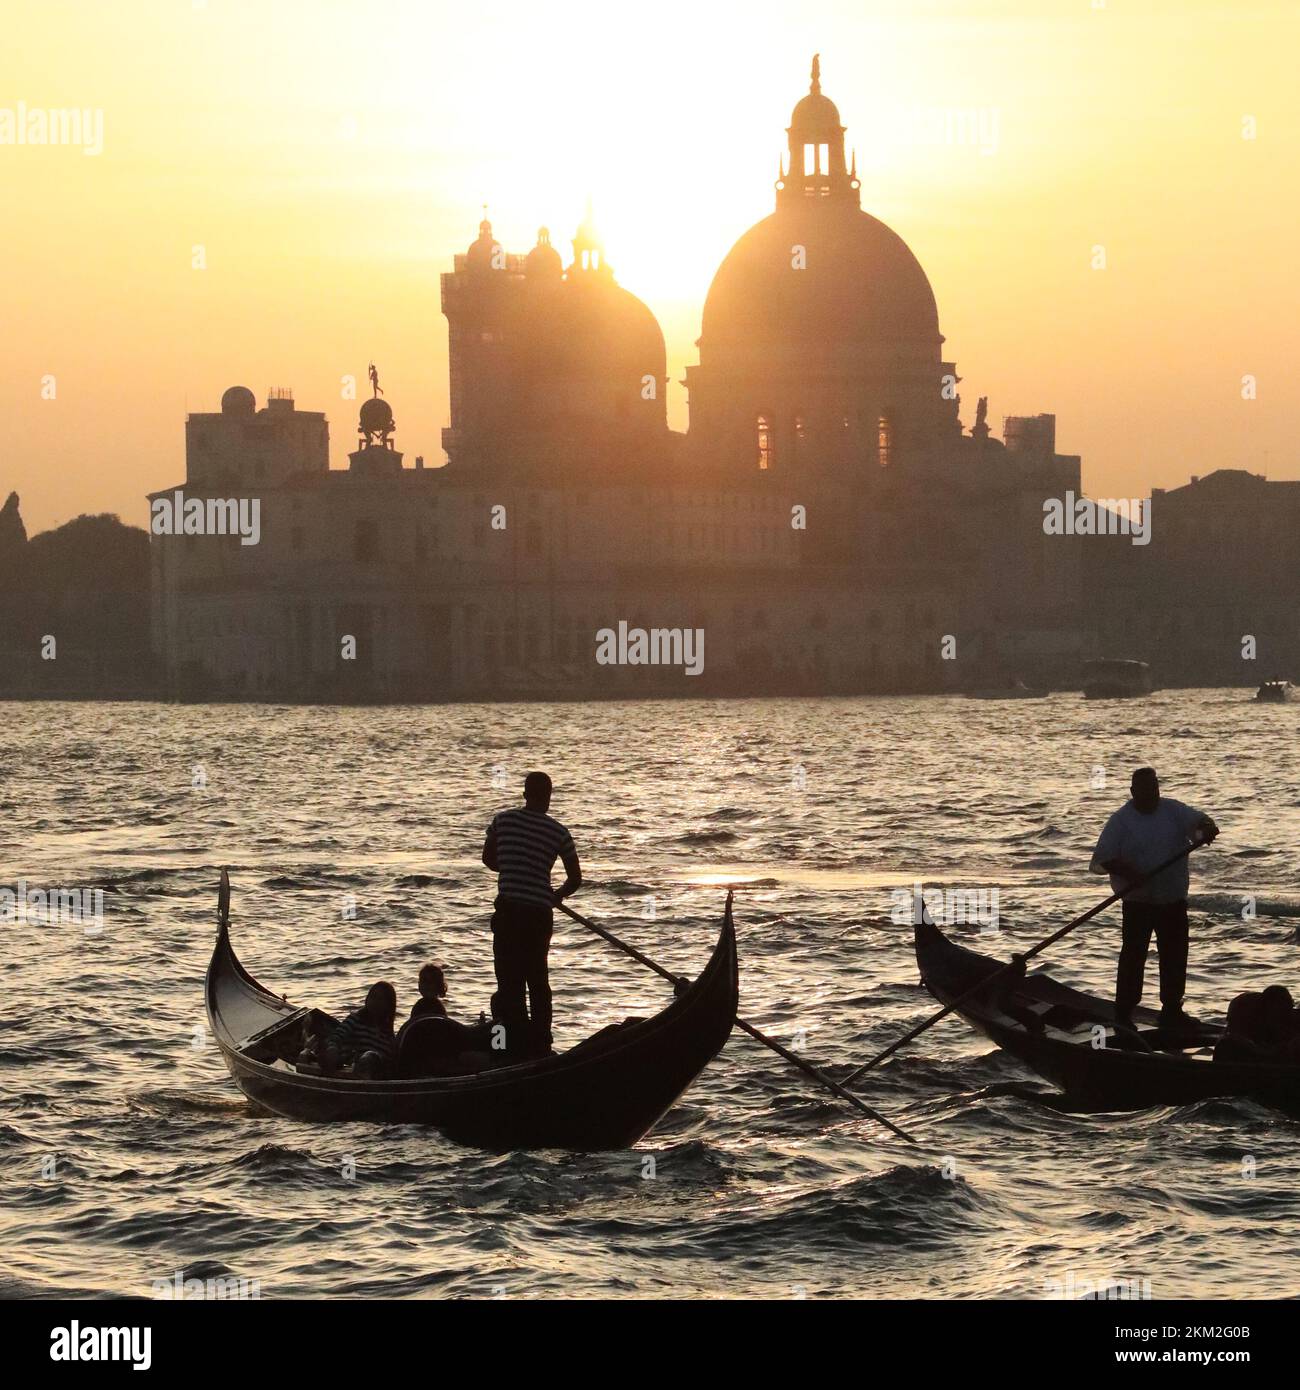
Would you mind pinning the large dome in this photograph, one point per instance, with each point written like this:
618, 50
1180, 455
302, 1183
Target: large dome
587, 329
860, 286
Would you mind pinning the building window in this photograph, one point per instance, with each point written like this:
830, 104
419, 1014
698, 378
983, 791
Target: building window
765, 443
823, 159
809, 160
884, 441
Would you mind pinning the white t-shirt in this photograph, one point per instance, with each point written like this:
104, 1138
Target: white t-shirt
1147, 840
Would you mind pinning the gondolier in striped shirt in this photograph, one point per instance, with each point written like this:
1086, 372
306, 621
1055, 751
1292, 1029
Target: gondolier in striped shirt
522, 845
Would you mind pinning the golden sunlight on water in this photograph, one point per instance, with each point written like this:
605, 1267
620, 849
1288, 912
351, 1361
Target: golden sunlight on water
763, 1184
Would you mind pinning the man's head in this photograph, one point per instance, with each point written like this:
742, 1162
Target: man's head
1145, 789
433, 983
537, 791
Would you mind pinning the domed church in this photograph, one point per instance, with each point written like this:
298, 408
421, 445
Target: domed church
820, 340
827, 525
543, 356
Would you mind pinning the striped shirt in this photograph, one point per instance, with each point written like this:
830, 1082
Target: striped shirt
356, 1034
528, 844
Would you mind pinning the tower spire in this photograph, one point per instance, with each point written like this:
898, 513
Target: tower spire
816, 87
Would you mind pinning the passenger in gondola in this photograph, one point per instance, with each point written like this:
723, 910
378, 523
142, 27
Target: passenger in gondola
1243, 1039
431, 1043
432, 982
1262, 1027
1279, 1022
364, 1041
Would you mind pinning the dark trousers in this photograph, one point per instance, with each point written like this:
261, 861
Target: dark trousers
1169, 923
521, 938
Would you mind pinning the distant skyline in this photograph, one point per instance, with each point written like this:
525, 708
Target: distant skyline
329, 160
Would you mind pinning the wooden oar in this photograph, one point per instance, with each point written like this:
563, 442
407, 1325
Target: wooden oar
680, 981
1013, 964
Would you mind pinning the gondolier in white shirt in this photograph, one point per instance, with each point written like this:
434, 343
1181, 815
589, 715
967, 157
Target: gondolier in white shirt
1147, 830
522, 845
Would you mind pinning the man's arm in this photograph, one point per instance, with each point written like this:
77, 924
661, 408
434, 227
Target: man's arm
1200, 827
574, 871
490, 849
1118, 866
1106, 858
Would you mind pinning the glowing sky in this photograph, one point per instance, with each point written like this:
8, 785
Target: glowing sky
330, 157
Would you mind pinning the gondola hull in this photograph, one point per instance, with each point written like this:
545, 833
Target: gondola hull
1078, 1049
605, 1093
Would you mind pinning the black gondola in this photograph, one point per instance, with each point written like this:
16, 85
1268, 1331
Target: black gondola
605, 1093
1070, 1039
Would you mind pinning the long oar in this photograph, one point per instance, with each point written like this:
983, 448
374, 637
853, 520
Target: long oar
1013, 964
806, 1067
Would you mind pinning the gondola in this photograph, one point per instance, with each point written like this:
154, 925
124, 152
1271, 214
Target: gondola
1070, 1039
605, 1093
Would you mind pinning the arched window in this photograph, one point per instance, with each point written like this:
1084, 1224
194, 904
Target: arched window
766, 449
816, 160
884, 441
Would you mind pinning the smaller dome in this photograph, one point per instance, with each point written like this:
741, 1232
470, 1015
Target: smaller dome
544, 260
815, 112
482, 251
239, 400
376, 416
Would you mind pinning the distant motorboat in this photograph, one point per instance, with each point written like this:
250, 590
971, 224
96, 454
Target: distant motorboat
1274, 692
1013, 690
1109, 679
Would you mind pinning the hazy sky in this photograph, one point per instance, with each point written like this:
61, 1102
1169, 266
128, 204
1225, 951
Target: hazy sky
330, 157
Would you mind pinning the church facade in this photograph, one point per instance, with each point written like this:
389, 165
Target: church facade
827, 524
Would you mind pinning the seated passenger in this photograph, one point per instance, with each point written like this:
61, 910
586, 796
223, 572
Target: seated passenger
1280, 1023
433, 990
364, 1040
432, 981
1244, 1040
432, 1044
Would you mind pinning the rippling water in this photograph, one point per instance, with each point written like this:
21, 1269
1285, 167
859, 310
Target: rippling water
130, 1156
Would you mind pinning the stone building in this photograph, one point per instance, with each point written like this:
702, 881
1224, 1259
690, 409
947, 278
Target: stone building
1214, 598
827, 522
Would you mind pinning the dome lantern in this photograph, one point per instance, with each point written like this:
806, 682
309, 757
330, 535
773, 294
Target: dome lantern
588, 252
816, 143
